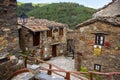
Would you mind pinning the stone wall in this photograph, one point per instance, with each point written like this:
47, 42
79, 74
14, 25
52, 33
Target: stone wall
8, 38
109, 58
9, 67
60, 43
8, 27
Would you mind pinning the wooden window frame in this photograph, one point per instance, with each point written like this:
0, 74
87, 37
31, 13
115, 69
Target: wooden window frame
61, 31
49, 33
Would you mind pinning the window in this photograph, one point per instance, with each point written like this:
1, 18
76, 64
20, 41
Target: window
99, 40
49, 33
97, 67
36, 38
61, 31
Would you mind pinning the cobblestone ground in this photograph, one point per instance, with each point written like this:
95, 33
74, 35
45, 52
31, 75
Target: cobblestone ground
66, 63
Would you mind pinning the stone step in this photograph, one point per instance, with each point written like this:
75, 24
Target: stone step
45, 76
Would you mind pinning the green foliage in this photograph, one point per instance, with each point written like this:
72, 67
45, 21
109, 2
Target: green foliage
95, 77
19, 3
83, 69
27, 53
68, 13
26, 7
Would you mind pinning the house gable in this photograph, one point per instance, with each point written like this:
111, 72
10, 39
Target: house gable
115, 21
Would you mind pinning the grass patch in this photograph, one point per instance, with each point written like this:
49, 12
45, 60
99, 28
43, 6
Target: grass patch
95, 77
84, 69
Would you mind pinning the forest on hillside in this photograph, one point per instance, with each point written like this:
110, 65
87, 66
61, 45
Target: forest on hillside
68, 13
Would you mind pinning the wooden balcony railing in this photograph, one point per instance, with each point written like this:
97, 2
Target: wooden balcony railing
55, 69
75, 73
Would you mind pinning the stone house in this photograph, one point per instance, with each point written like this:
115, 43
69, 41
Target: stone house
47, 38
110, 52
99, 40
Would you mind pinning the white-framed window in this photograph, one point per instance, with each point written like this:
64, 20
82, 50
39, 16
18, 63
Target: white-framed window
99, 40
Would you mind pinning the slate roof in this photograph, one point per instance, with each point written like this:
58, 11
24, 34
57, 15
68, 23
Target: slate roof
110, 14
109, 10
41, 24
110, 20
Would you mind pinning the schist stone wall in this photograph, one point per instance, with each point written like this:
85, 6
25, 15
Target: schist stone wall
109, 57
8, 38
8, 27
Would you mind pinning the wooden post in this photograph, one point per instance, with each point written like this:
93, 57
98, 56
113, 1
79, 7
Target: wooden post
67, 76
91, 76
49, 71
26, 58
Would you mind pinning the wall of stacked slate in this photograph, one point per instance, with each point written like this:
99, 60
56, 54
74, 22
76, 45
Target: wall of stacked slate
8, 37
9, 67
8, 27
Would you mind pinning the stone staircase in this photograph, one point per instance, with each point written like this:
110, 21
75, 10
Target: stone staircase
41, 75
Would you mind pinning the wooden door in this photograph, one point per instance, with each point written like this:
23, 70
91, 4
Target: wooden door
54, 52
36, 38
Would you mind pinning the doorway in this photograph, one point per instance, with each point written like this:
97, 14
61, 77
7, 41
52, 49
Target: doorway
71, 47
54, 52
36, 38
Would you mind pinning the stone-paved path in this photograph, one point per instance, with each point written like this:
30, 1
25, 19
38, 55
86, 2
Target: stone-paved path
66, 63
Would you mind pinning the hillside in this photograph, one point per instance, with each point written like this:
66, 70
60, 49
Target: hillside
27, 7
68, 13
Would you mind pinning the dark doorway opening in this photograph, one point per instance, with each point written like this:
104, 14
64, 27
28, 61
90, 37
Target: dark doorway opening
71, 47
36, 38
54, 52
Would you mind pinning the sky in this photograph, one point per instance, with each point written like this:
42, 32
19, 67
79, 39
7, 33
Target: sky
88, 3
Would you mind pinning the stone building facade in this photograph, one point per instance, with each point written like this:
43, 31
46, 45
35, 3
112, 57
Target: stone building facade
45, 38
110, 51
8, 27
99, 39
71, 35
